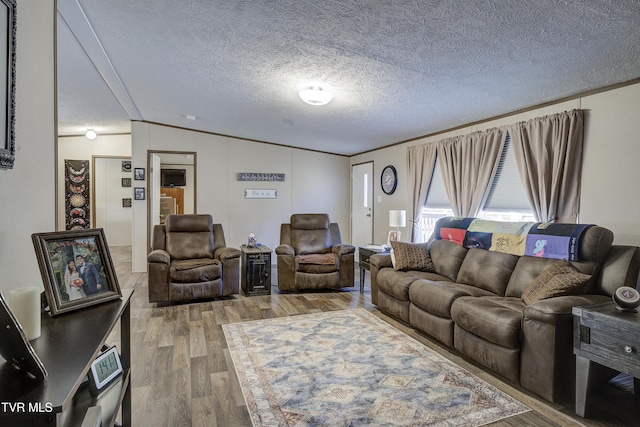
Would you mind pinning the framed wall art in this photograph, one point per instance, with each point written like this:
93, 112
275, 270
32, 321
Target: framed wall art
76, 269
138, 174
138, 193
7, 83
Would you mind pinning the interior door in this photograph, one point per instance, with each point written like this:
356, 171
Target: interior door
362, 204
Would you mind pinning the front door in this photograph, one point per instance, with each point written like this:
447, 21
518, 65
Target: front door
362, 204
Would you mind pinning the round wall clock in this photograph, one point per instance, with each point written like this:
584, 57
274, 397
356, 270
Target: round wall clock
389, 179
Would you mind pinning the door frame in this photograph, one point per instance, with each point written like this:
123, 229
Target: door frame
372, 198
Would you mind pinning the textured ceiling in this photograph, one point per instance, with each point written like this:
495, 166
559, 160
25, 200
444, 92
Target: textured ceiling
398, 69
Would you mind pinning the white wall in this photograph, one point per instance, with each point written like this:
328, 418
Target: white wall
27, 191
314, 182
107, 200
610, 168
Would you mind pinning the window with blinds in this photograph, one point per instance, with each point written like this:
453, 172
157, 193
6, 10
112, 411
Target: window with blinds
507, 200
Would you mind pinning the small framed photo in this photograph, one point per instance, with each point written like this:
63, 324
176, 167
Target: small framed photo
126, 182
138, 174
126, 166
126, 203
76, 269
138, 193
394, 236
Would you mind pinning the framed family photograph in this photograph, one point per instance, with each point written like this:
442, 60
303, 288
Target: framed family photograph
76, 269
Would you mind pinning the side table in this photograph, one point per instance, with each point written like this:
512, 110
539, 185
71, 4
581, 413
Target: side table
364, 253
605, 335
255, 272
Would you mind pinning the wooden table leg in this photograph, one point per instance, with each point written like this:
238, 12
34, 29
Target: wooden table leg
583, 372
361, 280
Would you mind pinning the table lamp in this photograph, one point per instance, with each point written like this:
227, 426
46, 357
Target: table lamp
397, 219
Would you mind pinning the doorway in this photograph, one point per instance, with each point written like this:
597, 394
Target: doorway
362, 204
171, 186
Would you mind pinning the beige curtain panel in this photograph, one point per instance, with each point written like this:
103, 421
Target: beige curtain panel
421, 161
548, 152
469, 164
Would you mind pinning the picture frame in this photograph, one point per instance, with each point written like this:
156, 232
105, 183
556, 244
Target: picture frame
126, 182
394, 236
76, 268
138, 193
138, 174
7, 83
126, 202
126, 166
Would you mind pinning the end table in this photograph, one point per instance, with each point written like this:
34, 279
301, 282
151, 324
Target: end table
364, 253
605, 335
255, 272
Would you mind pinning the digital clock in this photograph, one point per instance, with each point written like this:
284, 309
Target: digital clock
104, 370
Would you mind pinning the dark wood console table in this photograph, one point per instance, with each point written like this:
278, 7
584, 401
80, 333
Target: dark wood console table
67, 346
604, 335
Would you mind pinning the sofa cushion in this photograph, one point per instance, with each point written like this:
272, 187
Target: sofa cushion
411, 256
561, 278
201, 273
487, 270
395, 283
437, 297
447, 258
495, 319
307, 265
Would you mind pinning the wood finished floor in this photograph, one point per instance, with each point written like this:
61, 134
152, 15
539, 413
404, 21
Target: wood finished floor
182, 373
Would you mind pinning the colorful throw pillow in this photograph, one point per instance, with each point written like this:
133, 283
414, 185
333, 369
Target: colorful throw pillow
560, 278
411, 256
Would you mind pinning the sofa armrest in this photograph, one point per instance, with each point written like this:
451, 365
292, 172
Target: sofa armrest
547, 363
343, 249
376, 263
158, 262
285, 250
159, 256
286, 267
226, 253
548, 310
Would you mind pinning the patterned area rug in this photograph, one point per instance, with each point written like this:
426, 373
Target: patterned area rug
350, 368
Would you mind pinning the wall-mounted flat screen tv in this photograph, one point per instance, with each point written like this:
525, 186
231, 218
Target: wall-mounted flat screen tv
173, 177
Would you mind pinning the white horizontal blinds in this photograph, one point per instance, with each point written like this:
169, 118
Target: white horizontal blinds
437, 196
507, 192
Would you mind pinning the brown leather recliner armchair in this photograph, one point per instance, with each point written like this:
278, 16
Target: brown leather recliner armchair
189, 260
311, 255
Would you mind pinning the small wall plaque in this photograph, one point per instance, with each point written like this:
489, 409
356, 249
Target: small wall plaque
260, 193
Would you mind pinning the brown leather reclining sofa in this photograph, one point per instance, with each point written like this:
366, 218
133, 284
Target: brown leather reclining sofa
471, 300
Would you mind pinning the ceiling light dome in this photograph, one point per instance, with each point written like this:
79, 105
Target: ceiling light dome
315, 95
91, 134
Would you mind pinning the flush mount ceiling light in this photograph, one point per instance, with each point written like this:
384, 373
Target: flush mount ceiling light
90, 134
315, 95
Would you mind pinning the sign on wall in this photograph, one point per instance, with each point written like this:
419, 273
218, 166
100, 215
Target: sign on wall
259, 176
260, 193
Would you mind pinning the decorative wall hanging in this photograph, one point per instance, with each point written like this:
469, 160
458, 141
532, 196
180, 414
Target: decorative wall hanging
126, 182
126, 166
77, 202
138, 174
260, 193
257, 176
126, 203
138, 193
